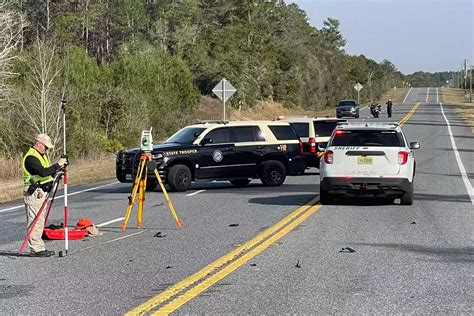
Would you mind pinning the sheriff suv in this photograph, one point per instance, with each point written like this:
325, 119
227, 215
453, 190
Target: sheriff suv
313, 131
234, 151
368, 159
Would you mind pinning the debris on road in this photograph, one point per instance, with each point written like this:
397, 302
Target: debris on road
413, 223
159, 235
233, 225
347, 249
169, 267
298, 263
253, 264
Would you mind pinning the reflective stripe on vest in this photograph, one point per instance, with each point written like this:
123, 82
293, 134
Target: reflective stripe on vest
44, 162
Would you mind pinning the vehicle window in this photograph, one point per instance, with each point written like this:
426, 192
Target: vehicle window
302, 129
324, 128
373, 138
283, 132
242, 134
186, 136
219, 135
347, 103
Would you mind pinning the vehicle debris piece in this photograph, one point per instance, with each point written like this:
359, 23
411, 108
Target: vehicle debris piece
413, 223
347, 249
159, 235
233, 225
298, 263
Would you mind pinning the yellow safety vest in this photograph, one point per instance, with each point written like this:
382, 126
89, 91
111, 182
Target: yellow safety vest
44, 162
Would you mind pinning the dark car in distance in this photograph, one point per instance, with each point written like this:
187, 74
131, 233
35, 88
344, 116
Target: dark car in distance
347, 108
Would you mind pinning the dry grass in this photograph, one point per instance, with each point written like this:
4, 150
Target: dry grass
81, 171
396, 95
460, 102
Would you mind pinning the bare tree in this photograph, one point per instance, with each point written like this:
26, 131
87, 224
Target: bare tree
40, 101
11, 27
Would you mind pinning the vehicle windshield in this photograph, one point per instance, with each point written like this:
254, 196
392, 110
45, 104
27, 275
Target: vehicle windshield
324, 128
368, 138
186, 136
347, 103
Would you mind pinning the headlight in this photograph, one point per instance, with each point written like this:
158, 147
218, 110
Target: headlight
353, 110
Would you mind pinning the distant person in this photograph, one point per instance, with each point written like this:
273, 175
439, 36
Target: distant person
389, 107
36, 167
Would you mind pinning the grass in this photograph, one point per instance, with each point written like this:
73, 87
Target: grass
81, 171
460, 102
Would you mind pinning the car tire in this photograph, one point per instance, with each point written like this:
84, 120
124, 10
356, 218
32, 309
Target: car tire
273, 173
407, 197
240, 183
324, 197
151, 185
179, 178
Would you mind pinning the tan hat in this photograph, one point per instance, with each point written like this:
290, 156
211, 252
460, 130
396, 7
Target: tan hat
45, 139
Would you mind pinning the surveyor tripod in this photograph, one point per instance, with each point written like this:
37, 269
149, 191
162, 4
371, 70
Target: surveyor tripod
139, 186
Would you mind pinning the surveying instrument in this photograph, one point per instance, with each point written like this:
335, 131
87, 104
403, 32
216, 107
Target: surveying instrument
139, 183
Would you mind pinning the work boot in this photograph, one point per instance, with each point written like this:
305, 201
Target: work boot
42, 253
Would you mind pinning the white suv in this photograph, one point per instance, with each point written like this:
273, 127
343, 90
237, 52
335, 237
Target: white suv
368, 159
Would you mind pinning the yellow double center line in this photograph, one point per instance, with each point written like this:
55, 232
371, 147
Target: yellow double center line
409, 114
187, 289
180, 293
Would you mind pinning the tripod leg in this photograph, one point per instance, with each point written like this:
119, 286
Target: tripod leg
133, 195
141, 199
170, 205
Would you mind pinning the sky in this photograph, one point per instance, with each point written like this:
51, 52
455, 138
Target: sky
415, 35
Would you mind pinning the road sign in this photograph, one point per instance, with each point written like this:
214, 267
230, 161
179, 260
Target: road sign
224, 90
358, 87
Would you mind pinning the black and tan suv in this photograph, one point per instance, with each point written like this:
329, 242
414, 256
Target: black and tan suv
234, 151
313, 131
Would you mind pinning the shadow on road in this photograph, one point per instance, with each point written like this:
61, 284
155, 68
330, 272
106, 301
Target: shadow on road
466, 150
458, 254
298, 199
461, 198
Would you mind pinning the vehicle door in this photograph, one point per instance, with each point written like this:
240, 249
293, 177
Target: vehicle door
249, 150
215, 155
303, 132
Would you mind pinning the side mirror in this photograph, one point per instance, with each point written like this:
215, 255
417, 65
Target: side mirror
206, 141
322, 146
415, 145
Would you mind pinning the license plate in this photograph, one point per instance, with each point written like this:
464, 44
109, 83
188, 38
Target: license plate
128, 177
362, 160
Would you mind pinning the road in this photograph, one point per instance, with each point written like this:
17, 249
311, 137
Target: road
284, 247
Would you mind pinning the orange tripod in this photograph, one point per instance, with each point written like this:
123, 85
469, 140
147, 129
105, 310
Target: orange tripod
139, 186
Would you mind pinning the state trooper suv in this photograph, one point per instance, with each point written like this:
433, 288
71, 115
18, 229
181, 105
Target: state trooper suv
234, 151
368, 159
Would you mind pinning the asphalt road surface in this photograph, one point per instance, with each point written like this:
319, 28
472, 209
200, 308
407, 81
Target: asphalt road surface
407, 259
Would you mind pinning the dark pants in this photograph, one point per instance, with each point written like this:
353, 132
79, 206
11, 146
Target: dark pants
389, 111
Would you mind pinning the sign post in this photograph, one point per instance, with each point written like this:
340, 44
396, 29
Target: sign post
358, 87
224, 91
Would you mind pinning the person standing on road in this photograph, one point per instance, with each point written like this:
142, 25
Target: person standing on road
38, 181
389, 107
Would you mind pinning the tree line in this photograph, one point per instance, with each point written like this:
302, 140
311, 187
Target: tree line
126, 65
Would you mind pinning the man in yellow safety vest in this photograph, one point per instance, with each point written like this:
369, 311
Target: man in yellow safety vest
37, 180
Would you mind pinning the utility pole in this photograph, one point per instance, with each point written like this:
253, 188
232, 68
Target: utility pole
470, 82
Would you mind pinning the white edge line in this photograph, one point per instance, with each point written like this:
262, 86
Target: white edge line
194, 193
110, 222
408, 93
467, 183
70, 194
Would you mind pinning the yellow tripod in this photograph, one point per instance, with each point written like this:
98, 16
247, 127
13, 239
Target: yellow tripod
139, 185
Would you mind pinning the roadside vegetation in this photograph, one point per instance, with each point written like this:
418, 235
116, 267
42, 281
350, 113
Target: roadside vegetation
460, 101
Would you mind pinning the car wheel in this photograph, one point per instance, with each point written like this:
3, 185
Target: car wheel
151, 185
324, 197
407, 198
273, 173
179, 178
240, 183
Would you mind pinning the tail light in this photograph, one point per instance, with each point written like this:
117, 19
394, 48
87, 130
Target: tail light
312, 145
328, 156
402, 157
301, 148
